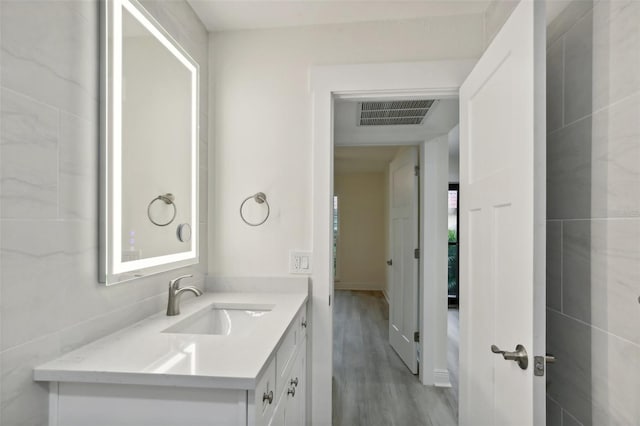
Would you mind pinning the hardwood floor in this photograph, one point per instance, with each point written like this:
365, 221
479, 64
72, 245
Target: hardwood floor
371, 385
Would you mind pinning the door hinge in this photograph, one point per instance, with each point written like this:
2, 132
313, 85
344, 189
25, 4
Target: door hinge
416, 170
416, 336
329, 300
416, 253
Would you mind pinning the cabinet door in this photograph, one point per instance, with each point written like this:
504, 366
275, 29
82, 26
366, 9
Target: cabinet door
295, 392
278, 413
291, 409
263, 400
301, 393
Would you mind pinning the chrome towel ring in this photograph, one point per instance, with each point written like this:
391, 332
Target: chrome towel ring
259, 198
168, 199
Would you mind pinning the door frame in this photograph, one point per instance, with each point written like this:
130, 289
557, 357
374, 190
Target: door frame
455, 186
435, 79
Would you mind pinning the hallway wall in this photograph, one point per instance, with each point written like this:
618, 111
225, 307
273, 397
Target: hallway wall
593, 211
362, 240
51, 301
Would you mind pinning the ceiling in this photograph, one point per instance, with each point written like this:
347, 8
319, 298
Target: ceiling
230, 15
369, 149
441, 118
260, 14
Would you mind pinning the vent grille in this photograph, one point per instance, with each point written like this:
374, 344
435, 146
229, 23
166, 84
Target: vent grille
392, 113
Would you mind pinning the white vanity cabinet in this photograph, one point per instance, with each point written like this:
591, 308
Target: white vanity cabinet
291, 408
276, 397
284, 382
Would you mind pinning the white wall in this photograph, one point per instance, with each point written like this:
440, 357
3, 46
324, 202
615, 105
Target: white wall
261, 138
362, 243
51, 300
387, 234
433, 275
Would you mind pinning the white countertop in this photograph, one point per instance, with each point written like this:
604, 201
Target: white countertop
143, 355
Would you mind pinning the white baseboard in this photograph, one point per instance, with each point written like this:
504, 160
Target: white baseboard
441, 378
386, 296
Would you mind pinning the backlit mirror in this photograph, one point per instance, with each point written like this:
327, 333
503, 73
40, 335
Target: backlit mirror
149, 202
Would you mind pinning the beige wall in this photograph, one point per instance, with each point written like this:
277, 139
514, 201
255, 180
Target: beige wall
362, 240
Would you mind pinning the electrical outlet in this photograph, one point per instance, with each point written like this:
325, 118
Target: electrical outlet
299, 262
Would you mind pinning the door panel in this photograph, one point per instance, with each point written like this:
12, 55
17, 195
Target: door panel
403, 315
502, 182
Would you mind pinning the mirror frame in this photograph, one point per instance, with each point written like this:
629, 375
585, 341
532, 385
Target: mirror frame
112, 269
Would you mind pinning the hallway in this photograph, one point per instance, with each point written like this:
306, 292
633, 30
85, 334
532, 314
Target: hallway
371, 385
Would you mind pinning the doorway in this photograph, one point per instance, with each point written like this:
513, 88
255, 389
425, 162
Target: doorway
513, 64
376, 228
453, 246
330, 84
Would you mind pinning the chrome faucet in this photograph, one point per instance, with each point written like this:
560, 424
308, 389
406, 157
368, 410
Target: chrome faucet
173, 307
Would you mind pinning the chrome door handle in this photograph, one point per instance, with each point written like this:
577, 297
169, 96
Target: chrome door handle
294, 382
390, 262
519, 355
267, 397
291, 391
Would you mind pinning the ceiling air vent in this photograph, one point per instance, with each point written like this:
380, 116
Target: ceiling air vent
392, 113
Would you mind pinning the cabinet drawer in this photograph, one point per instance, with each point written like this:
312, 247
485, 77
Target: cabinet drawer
284, 357
265, 395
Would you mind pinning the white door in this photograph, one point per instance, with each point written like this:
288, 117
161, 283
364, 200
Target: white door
502, 244
403, 309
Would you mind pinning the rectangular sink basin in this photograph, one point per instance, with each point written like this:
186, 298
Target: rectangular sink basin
219, 320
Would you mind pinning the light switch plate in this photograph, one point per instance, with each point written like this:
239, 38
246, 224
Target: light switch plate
299, 262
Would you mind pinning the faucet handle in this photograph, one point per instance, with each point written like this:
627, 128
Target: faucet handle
175, 283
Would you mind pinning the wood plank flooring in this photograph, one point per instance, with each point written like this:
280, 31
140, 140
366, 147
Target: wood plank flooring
371, 385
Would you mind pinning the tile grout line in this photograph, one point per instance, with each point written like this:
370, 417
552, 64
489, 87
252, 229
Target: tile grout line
558, 404
58, 109
58, 132
593, 112
53, 220
595, 327
562, 79
597, 219
604, 108
572, 416
561, 266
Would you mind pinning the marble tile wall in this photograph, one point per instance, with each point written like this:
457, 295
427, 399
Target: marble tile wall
593, 212
50, 300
